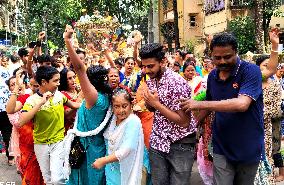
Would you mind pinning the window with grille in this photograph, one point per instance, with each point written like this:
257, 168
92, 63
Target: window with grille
192, 21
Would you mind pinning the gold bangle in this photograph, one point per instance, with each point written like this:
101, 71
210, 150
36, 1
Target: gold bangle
274, 51
13, 93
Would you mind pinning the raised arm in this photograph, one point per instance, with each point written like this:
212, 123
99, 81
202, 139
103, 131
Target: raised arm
30, 62
89, 91
41, 37
273, 60
137, 40
108, 57
13, 105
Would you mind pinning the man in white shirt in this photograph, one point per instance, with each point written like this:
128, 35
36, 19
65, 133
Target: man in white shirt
85, 17
15, 64
5, 126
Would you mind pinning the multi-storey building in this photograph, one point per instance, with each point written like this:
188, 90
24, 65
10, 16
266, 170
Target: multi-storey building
278, 21
198, 18
190, 19
219, 13
9, 18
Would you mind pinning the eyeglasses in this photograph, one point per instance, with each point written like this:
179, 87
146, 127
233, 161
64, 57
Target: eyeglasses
226, 57
207, 60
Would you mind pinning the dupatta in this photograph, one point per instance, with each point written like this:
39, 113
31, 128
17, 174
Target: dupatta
130, 158
75, 132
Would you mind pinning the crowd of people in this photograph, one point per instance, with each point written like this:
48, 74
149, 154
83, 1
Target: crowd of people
143, 118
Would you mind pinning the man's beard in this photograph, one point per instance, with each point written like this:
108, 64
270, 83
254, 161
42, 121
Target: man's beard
225, 67
159, 74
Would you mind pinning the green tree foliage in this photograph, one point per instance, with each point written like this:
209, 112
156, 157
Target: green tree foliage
263, 11
190, 45
60, 12
127, 11
269, 7
168, 32
52, 14
244, 29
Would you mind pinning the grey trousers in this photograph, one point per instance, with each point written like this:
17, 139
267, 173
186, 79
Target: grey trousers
225, 173
173, 168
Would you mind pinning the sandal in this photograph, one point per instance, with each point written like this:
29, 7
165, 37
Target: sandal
11, 162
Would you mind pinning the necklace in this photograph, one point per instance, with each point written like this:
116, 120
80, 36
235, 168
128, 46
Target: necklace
187, 79
73, 95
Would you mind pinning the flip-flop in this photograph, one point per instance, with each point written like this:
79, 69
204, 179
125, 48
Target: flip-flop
11, 162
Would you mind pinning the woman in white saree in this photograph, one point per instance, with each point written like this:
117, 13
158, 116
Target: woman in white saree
125, 143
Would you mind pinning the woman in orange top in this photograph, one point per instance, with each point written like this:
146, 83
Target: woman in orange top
143, 113
29, 167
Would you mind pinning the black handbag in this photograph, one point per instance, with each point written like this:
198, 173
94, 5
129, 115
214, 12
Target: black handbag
77, 153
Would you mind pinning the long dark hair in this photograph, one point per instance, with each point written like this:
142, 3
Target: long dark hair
97, 75
261, 59
63, 79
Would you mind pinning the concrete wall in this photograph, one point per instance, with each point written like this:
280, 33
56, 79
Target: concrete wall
185, 9
192, 8
215, 23
278, 20
218, 22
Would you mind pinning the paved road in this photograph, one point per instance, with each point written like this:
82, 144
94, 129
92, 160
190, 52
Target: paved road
9, 174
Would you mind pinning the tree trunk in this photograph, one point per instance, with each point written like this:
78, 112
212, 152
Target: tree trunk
259, 32
170, 46
269, 6
150, 23
177, 43
266, 23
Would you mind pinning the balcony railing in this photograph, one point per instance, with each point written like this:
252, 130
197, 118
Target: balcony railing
240, 3
212, 6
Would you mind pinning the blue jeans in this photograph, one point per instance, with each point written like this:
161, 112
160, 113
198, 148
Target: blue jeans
173, 168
